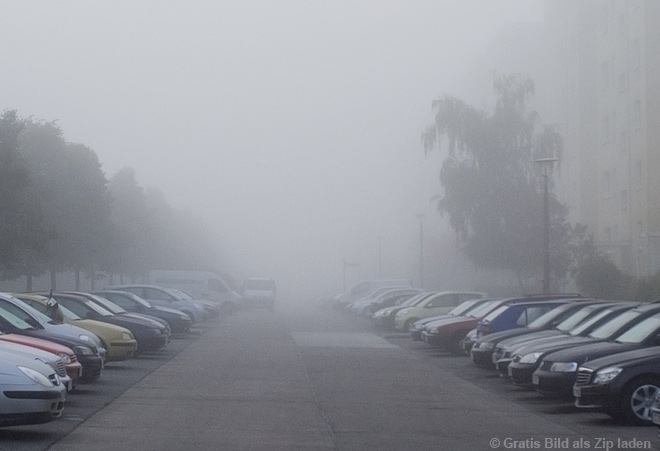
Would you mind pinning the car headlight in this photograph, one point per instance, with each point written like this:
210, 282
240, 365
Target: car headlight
607, 374
126, 336
564, 367
65, 357
532, 358
86, 338
35, 376
487, 345
83, 350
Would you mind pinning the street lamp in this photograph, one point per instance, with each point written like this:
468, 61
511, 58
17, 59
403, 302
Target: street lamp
421, 250
547, 165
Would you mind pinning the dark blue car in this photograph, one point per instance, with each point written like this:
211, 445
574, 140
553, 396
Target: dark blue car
512, 316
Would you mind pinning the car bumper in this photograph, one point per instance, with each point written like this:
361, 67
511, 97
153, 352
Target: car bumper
91, 367
521, 373
482, 357
554, 384
593, 396
22, 405
121, 350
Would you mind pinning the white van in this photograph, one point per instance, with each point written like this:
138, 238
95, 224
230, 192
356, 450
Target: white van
200, 284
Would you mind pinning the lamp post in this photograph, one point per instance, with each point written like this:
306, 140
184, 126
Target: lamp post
547, 165
345, 265
421, 250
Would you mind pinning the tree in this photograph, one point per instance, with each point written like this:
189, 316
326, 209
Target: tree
22, 233
492, 185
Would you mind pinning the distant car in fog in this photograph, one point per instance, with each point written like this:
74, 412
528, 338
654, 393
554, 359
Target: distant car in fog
164, 297
259, 292
438, 304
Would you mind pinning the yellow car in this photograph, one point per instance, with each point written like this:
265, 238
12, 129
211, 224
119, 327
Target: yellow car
118, 341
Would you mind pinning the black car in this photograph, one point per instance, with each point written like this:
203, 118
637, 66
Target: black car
149, 335
178, 321
522, 357
580, 323
623, 385
558, 370
483, 348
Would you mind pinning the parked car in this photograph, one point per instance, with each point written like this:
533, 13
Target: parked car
437, 304
53, 360
557, 371
19, 318
211, 309
484, 346
451, 334
118, 341
623, 385
384, 318
149, 336
463, 309
386, 298
178, 321
579, 325
363, 288
164, 297
30, 391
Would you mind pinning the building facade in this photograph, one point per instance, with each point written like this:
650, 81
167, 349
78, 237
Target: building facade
602, 90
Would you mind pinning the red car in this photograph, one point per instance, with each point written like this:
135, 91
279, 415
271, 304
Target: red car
72, 366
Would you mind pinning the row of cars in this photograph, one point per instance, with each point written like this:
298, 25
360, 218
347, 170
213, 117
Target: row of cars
603, 355
51, 342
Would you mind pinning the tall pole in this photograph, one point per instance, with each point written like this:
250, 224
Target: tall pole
546, 235
546, 164
421, 250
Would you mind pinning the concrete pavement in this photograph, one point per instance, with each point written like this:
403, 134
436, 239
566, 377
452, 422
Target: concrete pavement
304, 379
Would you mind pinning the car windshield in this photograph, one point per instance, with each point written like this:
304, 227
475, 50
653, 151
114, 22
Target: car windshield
576, 318
640, 331
68, 313
589, 322
14, 320
550, 316
609, 328
110, 306
492, 315
464, 307
415, 300
482, 310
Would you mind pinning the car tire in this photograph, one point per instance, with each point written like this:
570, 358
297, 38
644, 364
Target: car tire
634, 406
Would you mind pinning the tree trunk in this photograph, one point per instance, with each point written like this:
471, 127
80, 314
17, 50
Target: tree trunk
28, 282
53, 278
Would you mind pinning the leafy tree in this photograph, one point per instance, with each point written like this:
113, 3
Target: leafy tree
492, 184
22, 235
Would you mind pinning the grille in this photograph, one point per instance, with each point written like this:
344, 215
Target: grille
583, 376
545, 365
61, 371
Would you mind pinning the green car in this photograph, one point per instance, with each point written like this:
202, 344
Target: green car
435, 305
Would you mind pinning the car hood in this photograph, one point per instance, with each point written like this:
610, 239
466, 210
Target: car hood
534, 337
628, 358
592, 351
549, 345
496, 337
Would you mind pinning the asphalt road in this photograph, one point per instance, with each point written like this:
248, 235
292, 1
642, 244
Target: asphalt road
312, 379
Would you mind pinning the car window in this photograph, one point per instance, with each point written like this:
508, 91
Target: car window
576, 318
495, 313
606, 330
151, 293
16, 311
531, 313
120, 300
446, 300
641, 331
14, 320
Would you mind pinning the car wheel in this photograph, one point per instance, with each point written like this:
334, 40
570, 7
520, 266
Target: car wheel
636, 401
456, 344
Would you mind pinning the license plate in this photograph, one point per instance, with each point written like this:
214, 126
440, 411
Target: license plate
655, 417
577, 392
535, 379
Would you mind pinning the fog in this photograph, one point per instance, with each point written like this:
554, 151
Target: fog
292, 128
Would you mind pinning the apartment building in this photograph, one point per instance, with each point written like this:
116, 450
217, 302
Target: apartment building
601, 87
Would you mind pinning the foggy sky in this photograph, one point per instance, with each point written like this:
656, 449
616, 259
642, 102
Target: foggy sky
292, 127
